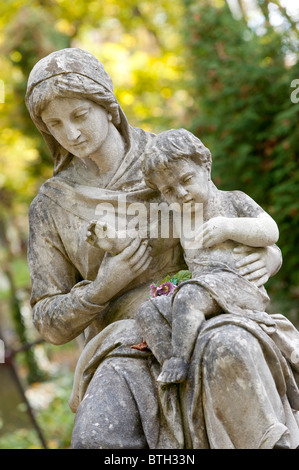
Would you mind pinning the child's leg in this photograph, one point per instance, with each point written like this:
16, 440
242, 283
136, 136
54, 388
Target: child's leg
191, 304
155, 327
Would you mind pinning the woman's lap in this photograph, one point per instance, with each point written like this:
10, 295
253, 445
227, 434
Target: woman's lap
120, 407
108, 416
243, 408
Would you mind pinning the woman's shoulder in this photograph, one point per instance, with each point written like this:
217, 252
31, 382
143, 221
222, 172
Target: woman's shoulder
42, 205
140, 136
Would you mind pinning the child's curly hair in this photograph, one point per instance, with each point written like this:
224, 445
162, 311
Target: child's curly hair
170, 146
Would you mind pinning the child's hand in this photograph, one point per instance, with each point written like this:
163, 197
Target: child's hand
213, 232
91, 237
97, 235
104, 236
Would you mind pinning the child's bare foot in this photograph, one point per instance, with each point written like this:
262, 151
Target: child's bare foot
174, 370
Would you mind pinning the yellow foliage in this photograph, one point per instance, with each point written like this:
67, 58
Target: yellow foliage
16, 152
64, 26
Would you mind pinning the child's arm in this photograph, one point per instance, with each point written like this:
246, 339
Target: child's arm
252, 226
256, 232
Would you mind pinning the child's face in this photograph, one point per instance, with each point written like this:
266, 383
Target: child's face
183, 181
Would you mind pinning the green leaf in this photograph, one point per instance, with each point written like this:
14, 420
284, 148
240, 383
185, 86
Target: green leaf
181, 276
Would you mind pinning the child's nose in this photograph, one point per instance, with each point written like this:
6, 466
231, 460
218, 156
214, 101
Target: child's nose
181, 192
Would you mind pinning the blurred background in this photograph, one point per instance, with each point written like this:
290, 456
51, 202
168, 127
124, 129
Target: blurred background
227, 70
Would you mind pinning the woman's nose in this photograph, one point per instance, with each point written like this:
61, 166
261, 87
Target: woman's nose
71, 131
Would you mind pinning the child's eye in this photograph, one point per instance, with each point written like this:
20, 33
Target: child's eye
188, 178
167, 190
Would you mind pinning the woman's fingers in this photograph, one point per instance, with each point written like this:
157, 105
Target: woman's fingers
143, 262
261, 281
256, 274
136, 257
131, 249
248, 260
144, 266
140, 256
134, 253
252, 267
90, 237
242, 249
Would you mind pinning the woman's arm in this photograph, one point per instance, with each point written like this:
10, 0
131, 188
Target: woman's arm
64, 304
61, 310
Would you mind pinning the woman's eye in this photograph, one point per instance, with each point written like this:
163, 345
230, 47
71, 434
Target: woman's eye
81, 115
54, 124
167, 191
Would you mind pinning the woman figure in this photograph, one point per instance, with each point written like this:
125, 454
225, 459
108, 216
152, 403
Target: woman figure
78, 288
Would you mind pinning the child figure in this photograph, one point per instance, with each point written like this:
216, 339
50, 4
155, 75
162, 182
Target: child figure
179, 166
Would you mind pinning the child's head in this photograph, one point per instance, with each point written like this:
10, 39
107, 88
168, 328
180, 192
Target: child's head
171, 146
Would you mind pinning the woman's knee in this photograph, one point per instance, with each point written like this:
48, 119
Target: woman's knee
107, 417
230, 347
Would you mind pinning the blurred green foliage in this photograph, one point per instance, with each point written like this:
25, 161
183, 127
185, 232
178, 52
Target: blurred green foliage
140, 45
242, 110
55, 419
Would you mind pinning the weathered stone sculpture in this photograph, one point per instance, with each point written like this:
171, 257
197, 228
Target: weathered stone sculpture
240, 390
179, 166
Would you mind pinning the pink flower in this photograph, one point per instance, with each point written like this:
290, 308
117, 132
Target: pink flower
153, 290
166, 288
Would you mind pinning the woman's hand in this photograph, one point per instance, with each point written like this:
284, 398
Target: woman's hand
116, 272
256, 264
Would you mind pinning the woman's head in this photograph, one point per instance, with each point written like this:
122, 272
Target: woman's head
70, 73
71, 85
81, 126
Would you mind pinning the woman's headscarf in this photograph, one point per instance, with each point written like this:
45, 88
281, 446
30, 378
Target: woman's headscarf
70, 72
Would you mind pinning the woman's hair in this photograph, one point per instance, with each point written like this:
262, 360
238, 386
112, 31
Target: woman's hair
170, 146
71, 85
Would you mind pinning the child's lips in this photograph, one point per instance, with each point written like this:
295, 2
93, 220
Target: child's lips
189, 200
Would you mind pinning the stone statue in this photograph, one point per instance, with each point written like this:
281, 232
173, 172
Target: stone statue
179, 166
240, 389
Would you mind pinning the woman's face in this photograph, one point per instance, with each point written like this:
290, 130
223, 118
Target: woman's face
79, 125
